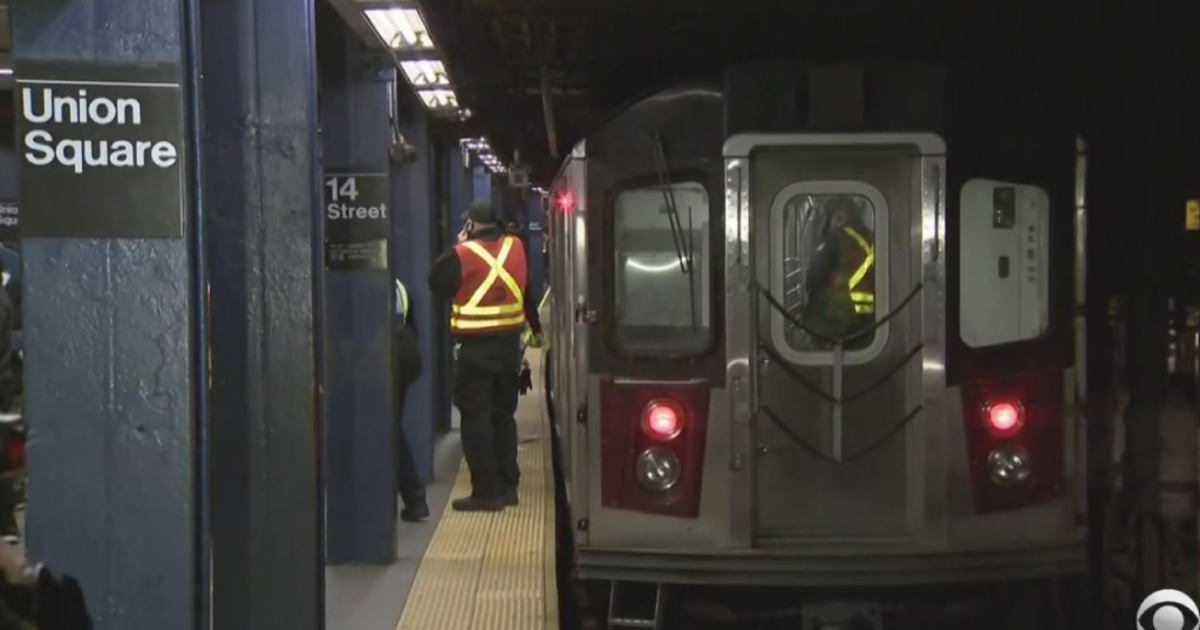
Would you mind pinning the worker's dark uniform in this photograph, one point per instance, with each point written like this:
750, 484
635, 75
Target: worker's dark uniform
407, 369
486, 371
841, 284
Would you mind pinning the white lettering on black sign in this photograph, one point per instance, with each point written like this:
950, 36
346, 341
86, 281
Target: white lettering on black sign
101, 159
10, 221
358, 220
46, 105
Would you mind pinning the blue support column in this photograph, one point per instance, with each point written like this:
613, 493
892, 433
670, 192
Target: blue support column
260, 185
414, 238
109, 385
359, 419
139, 460
458, 193
461, 182
537, 267
499, 202
481, 183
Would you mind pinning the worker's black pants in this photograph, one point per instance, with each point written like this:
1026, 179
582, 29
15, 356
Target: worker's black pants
487, 400
412, 492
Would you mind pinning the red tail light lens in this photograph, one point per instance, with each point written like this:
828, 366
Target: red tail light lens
1015, 440
565, 201
1005, 418
652, 438
662, 420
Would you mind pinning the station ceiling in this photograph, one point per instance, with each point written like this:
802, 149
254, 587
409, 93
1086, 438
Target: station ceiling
594, 55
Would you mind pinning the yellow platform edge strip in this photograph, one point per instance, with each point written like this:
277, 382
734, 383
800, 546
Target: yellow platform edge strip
496, 571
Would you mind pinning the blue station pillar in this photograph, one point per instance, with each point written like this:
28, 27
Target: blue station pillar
481, 182
168, 307
458, 188
537, 267
359, 419
414, 245
459, 183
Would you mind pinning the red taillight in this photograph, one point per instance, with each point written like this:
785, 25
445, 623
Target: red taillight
1005, 418
565, 201
652, 446
661, 420
1015, 440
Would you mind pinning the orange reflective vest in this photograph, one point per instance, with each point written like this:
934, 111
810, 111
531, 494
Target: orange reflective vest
491, 296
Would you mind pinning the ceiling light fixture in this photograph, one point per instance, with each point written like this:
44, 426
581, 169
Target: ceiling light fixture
401, 29
425, 73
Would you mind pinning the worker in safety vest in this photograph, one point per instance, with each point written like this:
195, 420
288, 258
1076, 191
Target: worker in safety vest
407, 368
841, 275
484, 277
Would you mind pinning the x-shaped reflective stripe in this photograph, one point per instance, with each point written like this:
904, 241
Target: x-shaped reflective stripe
863, 268
496, 272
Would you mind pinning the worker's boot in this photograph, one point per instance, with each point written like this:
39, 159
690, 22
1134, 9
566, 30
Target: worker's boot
416, 509
484, 498
476, 503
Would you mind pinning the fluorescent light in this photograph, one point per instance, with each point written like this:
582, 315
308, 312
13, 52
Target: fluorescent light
439, 98
474, 144
6, 72
402, 29
425, 73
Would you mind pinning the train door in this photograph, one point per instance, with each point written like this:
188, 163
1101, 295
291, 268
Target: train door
835, 226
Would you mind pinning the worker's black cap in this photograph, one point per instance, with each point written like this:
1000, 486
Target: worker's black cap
481, 212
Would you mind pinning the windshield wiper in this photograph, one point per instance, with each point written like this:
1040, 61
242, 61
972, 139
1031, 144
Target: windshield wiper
683, 243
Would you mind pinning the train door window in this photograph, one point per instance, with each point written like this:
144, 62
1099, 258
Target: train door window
1003, 241
825, 264
662, 302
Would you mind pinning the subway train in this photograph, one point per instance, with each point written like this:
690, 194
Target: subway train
896, 443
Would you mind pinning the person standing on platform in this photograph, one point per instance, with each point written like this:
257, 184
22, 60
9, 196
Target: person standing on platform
484, 277
407, 369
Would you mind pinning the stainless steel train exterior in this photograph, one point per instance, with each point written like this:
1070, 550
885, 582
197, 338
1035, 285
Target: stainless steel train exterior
711, 433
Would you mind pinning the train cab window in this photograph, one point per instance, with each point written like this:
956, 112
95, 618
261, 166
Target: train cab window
662, 278
1003, 286
826, 259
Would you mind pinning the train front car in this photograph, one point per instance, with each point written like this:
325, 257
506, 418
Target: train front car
824, 339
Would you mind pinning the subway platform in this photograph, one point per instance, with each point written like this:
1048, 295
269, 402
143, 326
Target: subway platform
466, 570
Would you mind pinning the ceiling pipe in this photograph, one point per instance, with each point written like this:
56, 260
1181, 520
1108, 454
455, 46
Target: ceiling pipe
548, 113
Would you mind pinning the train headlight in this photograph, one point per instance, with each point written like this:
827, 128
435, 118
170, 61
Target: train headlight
658, 469
1009, 465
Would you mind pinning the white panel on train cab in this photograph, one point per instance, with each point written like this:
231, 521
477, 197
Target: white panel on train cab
1004, 288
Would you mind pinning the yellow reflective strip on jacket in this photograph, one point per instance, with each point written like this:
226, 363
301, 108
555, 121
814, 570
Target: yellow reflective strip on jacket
476, 324
869, 260
864, 309
487, 310
402, 299
497, 272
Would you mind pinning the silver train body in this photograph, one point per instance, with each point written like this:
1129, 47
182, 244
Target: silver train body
945, 447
